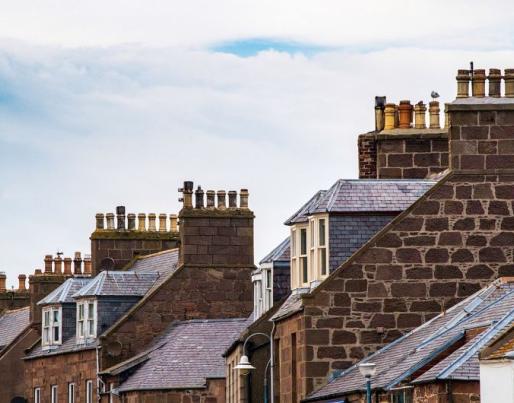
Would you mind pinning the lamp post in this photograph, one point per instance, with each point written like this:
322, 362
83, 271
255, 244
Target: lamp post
245, 366
368, 370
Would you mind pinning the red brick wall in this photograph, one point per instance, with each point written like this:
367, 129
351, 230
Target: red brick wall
12, 367
61, 370
214, 393
397, 156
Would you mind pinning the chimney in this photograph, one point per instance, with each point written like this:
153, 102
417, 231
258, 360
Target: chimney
110, 221
100, 221
419, 115
187, 193
389, 112
173, 223
87, 265
120, 217
48, 264
131, 221
433, 109
222, 204
67, 266
495, 78
462, 83
141, 217
211, 195
77, 263
162, 222
380, 103
232, 199
509, 83
151, 222
21, 282
58, 264
199, 197
478, 83
405, 111
3, 279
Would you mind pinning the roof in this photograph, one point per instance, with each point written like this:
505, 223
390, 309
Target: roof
63, 294
280, 254
291, 305
500, 348
364, 196
68, 346
12, 324
186, 355
118, 283
492, 309
164, 263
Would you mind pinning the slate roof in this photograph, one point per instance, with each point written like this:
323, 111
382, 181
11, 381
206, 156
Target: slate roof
280, 254
12, 323
503, 349
63, 293
291, 305
164, 263
491, 309
364, 195
68, 346
186, 355
119, 283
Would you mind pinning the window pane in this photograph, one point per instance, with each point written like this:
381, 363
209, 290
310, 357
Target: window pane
90, 310
321, 230
323, 261
91, 327
305, 274
47, 318
312, 232
81, 329
303, 241
293, 243
268, 279
56, 316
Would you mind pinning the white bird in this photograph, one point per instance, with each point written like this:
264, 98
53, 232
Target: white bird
434, 95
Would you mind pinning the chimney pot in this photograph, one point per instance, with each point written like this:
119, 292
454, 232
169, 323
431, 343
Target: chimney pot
187, 192
446, 117
405, 111
389, 113
162, 222
379, 113
37, 272
222, 201
495, 78
58, 265
3, 279
48, 263
141, 217
110, 221
434, 115
77, 263
478, 83
173, 223
211, 195
21, 282
419, 115
100, 221
509, 83
87, 265
199, 197
67, 265
243, 198
131, 221
120, 217
151, 222
462, 83
232, 199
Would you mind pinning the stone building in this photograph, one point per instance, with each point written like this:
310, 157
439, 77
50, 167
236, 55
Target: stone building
13, 299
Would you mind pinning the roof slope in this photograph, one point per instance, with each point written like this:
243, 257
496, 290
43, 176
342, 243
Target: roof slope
64, 293
12, 323
118, 283
163, 262
364, 195
280, 254
491, 308
186, 355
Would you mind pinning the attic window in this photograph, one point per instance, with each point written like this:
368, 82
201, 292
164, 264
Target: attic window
51, 327
86, 320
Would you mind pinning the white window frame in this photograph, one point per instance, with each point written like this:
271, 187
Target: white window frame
267, 283
322, 246
257, 294
37, 395
86, 320
53, 394
303, 257
71, 392
49, 325
89, 391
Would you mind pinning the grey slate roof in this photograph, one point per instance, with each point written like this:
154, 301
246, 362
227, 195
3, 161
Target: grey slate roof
118, 283
491, 308
364, 195
12, 323
64, 293
291, 305
164, 263
280, 254
186, 355
68, 346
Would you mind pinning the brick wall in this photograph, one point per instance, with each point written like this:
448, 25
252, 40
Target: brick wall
61, 370
348, 233
214, 393
404, 156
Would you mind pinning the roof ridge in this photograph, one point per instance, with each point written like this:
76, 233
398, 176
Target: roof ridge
162, 252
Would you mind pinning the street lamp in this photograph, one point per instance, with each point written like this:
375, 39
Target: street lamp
368, 370
245, 366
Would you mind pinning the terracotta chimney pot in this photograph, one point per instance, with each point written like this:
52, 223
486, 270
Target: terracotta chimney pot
434, 115
3, 280
151, 222
173, 223
67, 265
463, 83
141, 217
48, 264
405, 111
389, 112
509, 83
419, 115
21, 282
162, 222
478, 83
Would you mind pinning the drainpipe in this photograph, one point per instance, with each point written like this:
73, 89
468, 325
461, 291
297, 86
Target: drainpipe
99, 381
272, 363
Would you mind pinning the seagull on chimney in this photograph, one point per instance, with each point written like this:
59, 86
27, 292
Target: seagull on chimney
434, 95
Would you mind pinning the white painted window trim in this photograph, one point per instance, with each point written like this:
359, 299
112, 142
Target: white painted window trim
53, 394
84, 321
71, 392
89, 391
47, 337
37, 395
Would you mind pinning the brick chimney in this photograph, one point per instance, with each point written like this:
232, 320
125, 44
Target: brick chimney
215, 235
482, 128
118, 237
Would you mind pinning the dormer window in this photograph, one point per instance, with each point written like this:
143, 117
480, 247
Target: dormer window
51, 327
86, 320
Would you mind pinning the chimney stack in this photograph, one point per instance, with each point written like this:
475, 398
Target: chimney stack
131, 221
67, 266
173, 223
3, 280
380, 103
21, 282
87, 265
462, 83
58, 265
509, 83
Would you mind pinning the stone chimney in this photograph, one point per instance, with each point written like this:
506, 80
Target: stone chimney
482, 128
216, 235
120, 238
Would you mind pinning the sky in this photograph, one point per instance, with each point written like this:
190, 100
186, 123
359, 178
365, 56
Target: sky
117, 103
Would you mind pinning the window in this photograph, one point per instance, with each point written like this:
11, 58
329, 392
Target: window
268, 291
86, 320
322, 246
71, 393
304, 274
51, 326
89, 391
37, 395
53, 394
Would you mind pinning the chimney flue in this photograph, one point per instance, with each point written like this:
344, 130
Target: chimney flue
187, 192
77, 263
389, 113
199, 197
21, 282
110, 221
462, 83
151, 222
478, 83
3, 280
87, 265
99, 221
405, 111
67, 265
162, 222
173, 223
131, 221
211, 195
48, 264
222, 199
232, 199
509, 83
58, 265
243, 197
141, 217
495, 78
120, 217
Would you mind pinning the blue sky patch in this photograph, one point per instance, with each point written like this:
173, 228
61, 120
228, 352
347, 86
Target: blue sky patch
251, 47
